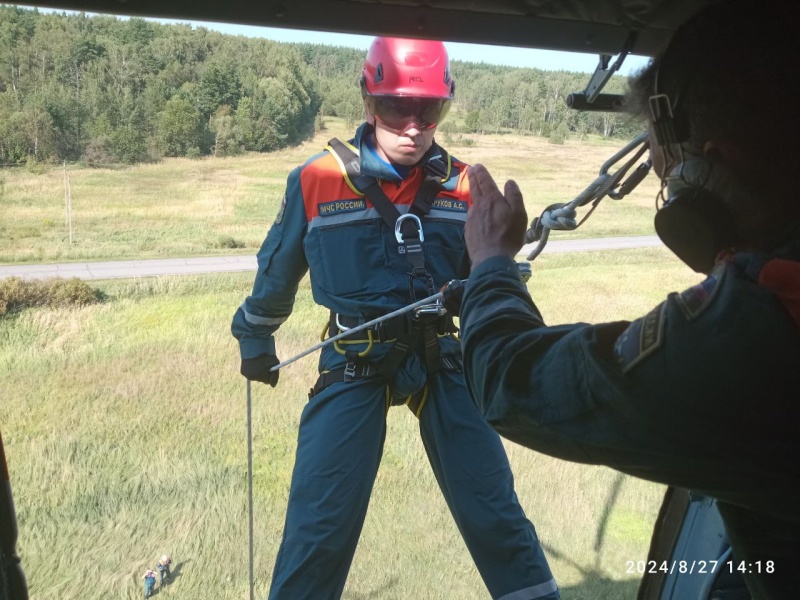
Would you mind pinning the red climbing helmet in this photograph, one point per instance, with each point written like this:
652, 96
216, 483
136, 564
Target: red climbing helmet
407, 79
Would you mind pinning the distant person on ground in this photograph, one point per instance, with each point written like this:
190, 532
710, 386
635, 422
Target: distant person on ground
163, 568
149, 582
379, 222
702, 392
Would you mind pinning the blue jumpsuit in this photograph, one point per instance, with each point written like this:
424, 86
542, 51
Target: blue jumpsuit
701, 393
149, 585
356, 271
163, 571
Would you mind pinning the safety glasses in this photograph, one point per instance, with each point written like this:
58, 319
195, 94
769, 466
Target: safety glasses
397, 112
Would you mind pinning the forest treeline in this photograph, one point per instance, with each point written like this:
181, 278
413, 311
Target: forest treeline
104, 89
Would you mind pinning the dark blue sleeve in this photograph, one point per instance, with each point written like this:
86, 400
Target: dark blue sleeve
668, 397
528, 379
281, 266
556, 389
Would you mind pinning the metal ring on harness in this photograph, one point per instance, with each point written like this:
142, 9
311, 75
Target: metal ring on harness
339, 324
398, 235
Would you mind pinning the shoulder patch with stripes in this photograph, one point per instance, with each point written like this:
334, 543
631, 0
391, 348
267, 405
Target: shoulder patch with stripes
699, 297
641, 339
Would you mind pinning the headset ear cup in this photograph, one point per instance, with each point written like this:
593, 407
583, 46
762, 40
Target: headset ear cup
696, 225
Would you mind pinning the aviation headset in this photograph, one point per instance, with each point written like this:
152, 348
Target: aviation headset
694, 222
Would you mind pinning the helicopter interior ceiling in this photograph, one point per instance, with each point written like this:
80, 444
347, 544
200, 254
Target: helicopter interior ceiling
591, 26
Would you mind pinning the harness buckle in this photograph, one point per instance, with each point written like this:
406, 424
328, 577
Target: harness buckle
437, 167
350, 372
398, 235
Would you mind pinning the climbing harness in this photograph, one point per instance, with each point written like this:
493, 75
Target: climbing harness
429, 320
562, 216
406, 331
420, 303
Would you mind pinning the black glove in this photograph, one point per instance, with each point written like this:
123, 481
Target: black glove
258, 369
452, 294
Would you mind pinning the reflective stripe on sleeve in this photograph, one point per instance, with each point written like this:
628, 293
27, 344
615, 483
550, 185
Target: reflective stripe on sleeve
256, 320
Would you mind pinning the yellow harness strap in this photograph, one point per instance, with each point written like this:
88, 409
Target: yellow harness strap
342, 166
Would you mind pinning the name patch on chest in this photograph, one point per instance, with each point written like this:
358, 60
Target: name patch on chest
341, 206
450, 204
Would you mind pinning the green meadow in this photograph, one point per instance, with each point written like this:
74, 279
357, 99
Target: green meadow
216, 206
125, 421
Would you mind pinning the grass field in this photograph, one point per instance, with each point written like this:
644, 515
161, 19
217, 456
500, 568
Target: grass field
124, 422
124, 425
213, 206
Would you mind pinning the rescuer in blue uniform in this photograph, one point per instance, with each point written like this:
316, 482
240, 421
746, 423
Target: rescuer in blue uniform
702, 392
149, 578
379, 222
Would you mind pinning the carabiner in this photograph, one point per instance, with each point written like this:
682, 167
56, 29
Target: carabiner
398, 235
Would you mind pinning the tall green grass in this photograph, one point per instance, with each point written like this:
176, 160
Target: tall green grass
124, 425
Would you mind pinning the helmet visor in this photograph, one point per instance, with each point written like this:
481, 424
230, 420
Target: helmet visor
397, 112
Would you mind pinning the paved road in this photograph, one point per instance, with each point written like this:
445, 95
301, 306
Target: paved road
219, 264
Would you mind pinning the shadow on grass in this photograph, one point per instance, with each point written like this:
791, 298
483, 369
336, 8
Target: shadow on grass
174, 574
595, 585
601, 588
376, 594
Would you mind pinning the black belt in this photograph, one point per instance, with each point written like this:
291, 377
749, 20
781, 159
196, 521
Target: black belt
391, 329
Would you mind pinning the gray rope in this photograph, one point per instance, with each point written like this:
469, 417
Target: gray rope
250, 484
563, 216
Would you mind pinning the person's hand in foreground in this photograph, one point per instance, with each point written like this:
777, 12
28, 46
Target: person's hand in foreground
497, 221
